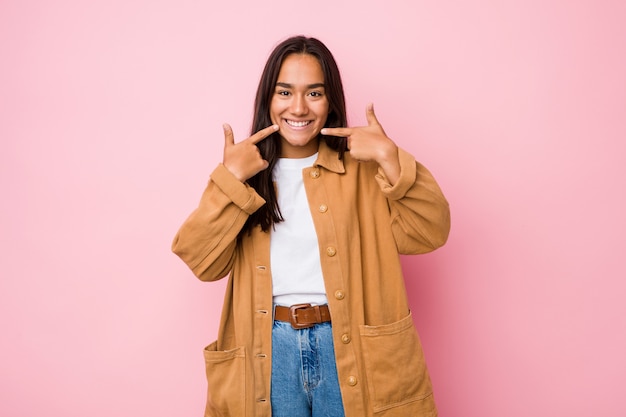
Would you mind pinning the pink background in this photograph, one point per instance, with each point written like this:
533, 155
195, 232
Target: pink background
110, 121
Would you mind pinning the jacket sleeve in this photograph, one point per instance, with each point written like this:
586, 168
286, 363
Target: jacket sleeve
420, 214
207, 240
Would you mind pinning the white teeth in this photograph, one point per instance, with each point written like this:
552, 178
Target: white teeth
298, 124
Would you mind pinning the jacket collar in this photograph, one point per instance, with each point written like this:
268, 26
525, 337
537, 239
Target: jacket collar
329, 159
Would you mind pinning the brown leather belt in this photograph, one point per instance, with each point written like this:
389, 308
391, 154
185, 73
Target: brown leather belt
302, 316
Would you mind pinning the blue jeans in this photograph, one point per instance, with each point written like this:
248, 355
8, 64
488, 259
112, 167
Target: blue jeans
304, 373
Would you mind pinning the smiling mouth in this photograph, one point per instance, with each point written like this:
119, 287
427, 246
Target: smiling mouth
294, 123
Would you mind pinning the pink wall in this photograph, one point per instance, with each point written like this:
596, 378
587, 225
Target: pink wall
110, 121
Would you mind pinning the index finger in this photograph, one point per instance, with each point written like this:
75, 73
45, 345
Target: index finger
262, 134
343, 132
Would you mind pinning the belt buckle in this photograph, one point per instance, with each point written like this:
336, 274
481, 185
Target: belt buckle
293, 317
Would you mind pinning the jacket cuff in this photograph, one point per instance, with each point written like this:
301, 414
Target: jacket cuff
408, 174
241, 194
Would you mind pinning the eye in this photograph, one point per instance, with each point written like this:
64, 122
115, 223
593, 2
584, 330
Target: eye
316, 94
282, 92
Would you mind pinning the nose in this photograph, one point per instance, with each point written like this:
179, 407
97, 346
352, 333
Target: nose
298, 105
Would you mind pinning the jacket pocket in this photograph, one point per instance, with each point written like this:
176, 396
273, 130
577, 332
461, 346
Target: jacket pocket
397, 378
225, 371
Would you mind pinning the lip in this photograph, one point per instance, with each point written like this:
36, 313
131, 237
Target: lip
297, 124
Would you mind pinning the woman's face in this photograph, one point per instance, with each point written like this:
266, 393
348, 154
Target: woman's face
299, 105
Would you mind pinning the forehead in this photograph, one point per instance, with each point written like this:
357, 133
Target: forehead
300, 69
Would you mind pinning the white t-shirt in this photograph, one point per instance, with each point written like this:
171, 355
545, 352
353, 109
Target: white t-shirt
295, 256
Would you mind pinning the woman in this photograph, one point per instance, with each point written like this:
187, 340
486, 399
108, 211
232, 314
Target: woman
307, 217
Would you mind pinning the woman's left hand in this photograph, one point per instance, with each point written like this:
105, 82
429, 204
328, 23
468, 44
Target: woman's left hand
370, 143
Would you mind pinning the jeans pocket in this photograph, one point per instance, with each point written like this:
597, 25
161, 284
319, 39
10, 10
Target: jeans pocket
226, 379
397, 377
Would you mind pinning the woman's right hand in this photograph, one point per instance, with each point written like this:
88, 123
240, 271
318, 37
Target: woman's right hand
244, 159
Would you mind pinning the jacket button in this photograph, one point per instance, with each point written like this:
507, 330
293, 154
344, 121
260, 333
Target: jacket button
330, 251
315, 173
339, 295
352, 381
323, 208
345, 338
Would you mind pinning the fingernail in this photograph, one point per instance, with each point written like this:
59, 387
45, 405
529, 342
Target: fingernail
323, 131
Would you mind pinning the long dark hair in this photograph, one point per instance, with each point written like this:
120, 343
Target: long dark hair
270, 148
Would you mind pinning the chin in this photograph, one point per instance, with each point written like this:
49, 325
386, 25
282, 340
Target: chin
300, 141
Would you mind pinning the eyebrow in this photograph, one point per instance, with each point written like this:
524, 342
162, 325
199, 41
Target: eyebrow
310, 86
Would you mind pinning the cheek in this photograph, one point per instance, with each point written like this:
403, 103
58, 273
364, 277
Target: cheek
274, 111
323, 112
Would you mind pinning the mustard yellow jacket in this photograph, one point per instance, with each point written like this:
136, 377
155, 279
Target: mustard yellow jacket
362, 224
